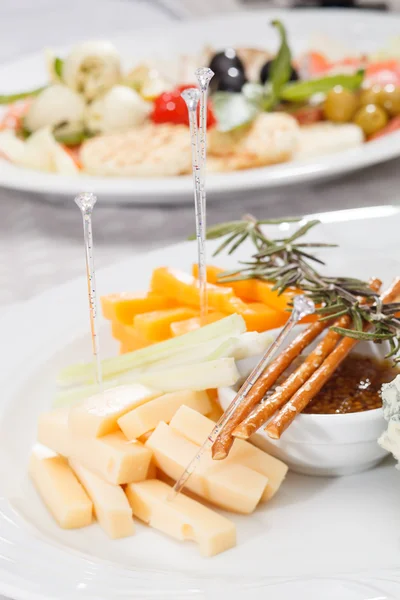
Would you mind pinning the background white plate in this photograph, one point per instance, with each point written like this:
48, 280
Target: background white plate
319, 539
358, 29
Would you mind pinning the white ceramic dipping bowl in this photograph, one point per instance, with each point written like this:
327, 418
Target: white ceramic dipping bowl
325, 445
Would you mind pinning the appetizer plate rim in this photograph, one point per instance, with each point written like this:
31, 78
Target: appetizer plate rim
178, 190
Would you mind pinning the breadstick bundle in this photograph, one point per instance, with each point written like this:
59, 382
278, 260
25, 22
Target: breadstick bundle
291, 396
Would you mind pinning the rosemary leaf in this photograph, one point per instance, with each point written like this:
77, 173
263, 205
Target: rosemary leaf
362, 335
336, 315
225, 244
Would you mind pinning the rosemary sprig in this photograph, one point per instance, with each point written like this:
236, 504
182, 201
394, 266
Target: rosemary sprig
290, 262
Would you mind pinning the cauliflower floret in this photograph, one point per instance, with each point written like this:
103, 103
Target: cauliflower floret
120, 108
55, 105
92, 68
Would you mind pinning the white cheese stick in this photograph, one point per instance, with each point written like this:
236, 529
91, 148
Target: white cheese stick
230, 486
98, 415
196, 428
112, 456
59, 488
146, 417
111, 506
181, 518
326, 138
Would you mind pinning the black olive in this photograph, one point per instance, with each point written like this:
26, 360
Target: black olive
231, 81
223, 61
264, 73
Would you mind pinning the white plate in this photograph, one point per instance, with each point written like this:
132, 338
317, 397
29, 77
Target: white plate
319, 539
361, 30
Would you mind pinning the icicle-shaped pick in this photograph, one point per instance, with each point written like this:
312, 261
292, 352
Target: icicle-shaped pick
192, 96
302, 306
204, 76
86, 202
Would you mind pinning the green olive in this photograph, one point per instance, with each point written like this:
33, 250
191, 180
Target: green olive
370, 95
389, 99
371, 118
340, 105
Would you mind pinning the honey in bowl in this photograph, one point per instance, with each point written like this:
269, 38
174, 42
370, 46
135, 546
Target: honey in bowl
354, 387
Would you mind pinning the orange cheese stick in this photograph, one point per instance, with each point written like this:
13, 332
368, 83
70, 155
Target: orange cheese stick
156, 326
181, 327
128, 336
270, 297
246, 289
258, 317
123, 307
184, 288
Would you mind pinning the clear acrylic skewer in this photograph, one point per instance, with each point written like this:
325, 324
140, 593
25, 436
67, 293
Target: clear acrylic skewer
86, 202
302, 306
192, 96
204, 76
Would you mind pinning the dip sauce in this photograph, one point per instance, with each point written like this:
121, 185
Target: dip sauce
354, 387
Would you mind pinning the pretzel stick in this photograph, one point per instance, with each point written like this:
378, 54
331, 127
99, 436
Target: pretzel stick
284, 392
224, 441
307, 392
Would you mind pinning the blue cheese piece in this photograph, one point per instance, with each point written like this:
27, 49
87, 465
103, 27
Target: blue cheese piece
390, 439
391, 399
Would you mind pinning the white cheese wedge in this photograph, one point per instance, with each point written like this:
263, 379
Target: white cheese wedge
111, 506
146, 417
231, 486
59, 488
196, 428
112, 456
98, 415
53, 431
182, 518
143, 438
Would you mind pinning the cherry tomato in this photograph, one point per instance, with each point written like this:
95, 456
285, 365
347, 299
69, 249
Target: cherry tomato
169, 107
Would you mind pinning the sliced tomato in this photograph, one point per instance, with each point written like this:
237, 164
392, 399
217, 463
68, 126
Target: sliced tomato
391, 127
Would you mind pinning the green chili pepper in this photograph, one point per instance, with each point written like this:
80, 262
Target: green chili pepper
280, 70
281, 66
10, 98
58, 66
299, 91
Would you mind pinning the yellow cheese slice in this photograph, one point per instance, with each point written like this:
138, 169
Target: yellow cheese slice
182, 518
146, 417
111, 506
230, 486
152, 471
59, 488
112, 456
196, 428
98, 415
